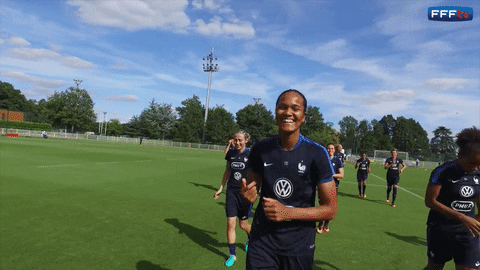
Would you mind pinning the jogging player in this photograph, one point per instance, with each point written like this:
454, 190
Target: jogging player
236, 205
363, 165
339, 174
289, 169
452, 195
392, 165
339, 152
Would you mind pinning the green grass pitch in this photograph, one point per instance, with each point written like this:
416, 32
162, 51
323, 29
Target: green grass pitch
72, 204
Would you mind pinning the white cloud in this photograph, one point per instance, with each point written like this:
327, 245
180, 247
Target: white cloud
56, 48
2, 41
75, 62
213, 5
216, 27
32, 54
126, 98
135, 15
18, 41
370, 67
443, 84
31, 79
172, 79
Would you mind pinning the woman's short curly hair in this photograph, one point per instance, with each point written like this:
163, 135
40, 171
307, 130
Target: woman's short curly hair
468, 140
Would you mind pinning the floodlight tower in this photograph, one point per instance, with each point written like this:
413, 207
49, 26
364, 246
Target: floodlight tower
209, 67
105, 121
77, 82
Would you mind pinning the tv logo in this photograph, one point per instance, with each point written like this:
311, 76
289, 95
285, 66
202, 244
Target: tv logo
450, 14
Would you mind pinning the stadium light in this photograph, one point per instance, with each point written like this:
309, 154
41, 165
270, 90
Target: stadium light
210, 68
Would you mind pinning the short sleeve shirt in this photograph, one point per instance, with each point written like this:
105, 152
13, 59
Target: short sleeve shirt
238, 163
393, 171
363, 166
459, 191
337, 164
291, 177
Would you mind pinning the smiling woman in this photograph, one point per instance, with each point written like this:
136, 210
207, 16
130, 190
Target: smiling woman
289, 169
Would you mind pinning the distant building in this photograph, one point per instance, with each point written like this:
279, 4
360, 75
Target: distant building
12, 115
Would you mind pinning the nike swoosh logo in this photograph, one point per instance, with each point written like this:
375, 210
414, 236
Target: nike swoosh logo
455, 181
477, 264
267, 164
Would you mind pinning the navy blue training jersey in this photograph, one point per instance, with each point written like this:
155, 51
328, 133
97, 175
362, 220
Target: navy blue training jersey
459, 191
291, 177
337, 164
363, 166
393, 171
339, 155
238, 163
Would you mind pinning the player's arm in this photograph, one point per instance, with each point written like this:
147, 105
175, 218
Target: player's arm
403, 167
251, 186
368, 167
229, 145
327, 210
431, 195
340, 174
226, 174
387, 165
357, 164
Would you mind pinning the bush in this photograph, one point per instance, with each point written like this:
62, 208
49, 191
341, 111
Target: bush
25, 125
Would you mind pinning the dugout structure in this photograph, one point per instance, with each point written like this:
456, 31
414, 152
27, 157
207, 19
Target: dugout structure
381, 155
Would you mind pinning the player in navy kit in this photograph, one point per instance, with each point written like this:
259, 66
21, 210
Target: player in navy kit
288, 169
236, 205
339, 153
363, 165
339, 174
452, 193
392, 165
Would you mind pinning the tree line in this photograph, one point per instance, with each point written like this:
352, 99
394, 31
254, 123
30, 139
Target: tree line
72, 109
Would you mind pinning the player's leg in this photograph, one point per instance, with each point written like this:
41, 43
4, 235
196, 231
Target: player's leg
297, 262
433, 266
364, 188
394, 194
231, 210
359, 181
389, 189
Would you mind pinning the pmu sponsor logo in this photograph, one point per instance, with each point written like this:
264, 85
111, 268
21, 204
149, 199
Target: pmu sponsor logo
450, 14
462, 206
238, 165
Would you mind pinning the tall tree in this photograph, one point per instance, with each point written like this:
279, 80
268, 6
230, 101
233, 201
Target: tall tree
12, 99
326, 136
72, 108
158, 120
189, 127
380, 140
134, 127
388, 123
256, 120
220, 125
363, 132
348, 133
114, 127
443, 144
314, 122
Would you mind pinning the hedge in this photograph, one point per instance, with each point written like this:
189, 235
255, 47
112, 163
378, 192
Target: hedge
25, 125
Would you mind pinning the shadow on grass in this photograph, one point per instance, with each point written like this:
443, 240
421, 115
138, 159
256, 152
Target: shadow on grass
318, 265
201, 237
414, 240
146, 265
211, 187
364, 199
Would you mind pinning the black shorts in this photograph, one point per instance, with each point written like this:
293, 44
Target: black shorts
362, 177
393, 180
236, 205
444, 244
258, 258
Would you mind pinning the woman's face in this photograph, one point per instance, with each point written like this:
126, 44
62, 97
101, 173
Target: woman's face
394, 154
471, 162
331, 149
290, 112
240, 142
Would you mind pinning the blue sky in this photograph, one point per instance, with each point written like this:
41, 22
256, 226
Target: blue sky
366, 59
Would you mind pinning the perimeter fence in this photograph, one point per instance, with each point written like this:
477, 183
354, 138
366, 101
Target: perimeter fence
89, 137
409, 163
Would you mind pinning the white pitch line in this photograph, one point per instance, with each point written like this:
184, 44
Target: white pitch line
98, 163
408, 191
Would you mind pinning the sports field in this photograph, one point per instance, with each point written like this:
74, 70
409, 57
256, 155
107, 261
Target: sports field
72, 204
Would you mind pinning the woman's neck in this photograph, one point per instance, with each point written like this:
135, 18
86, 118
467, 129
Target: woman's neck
289, 140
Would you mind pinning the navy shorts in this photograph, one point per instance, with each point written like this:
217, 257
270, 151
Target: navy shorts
236, 205
362, 177
444, 244
393, 180
258, 258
